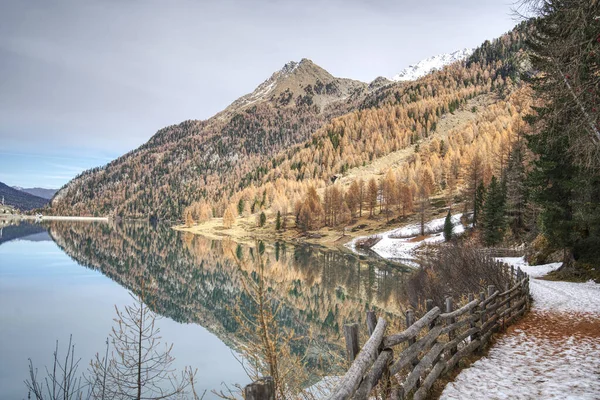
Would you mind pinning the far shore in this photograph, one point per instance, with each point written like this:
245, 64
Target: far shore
51, 218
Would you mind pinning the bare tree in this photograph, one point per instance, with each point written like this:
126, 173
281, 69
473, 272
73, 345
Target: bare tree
62, 382
140, 367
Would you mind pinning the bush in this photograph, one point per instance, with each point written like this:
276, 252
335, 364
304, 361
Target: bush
455, 270
368, 242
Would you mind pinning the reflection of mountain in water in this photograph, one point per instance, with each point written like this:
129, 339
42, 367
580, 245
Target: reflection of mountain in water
192, 279
24, 231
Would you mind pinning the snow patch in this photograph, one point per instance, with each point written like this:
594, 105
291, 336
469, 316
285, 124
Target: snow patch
424, 67
401, 243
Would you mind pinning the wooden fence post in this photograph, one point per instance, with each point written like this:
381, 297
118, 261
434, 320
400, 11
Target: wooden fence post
262, 389
483, 317
491, 290
351, 336
512, 275
473, 323
429, 305
371, 321
410, 319
451, 333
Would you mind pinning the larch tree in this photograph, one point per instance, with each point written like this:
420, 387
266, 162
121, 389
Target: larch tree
229, 217
425, 189
372, 193
361, 196
353, 198
473, 176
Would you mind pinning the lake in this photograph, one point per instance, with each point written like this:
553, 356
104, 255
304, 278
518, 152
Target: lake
65, 278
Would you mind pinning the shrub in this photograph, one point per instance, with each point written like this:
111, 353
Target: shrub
368, 242
455, 270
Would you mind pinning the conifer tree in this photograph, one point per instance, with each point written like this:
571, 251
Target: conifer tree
262, 219
478, 205
448, 228
515, 189
564, 181
278, 221
493, 222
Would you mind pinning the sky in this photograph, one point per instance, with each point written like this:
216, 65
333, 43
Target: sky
83, 81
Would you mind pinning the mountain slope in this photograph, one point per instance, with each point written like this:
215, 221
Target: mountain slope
19, 199
39, 192
301, 126
424, 67
185, 162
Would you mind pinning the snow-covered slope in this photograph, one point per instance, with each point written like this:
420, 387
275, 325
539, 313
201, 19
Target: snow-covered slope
424, 67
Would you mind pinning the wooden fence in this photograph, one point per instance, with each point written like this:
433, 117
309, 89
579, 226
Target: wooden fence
413, 360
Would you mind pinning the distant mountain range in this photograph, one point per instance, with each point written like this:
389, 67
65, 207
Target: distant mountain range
39, 192
20, 199
424, 67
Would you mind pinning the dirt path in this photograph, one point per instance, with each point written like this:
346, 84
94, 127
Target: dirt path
552, 353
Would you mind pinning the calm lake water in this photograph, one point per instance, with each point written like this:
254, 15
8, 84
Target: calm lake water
65, 278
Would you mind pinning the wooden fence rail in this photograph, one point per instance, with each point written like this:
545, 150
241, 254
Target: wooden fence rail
430, 346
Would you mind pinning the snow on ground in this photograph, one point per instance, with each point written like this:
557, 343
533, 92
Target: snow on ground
423, 67
552, 353
401, 243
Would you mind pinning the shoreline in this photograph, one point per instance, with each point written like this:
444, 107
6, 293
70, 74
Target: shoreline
52, 218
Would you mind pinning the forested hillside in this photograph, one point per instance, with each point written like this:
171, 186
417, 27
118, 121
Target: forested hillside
207, 159
19, 199
300, 125
408, 120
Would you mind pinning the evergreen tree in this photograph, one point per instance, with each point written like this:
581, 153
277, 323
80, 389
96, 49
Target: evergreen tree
263, 219
448, 228
240, 207
515, 189
493, 223
478, 202
278, 221
564, 181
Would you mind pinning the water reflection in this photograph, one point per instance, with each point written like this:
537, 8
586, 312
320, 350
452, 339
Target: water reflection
192, 279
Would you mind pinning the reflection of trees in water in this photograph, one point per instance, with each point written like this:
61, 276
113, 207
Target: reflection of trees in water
193, 279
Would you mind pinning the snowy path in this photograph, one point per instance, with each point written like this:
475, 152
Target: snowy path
552, 353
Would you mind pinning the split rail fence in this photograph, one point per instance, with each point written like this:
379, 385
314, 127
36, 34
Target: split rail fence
411, 361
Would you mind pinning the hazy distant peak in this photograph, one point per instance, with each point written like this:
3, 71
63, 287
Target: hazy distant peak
423, 67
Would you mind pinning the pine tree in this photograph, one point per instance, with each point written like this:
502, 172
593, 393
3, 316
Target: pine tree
564, 181
262, 219
278, 221
493, 222
448, 228
515, 189
240, 206
478, 204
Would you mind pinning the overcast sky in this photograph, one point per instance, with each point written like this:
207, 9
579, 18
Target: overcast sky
82, 82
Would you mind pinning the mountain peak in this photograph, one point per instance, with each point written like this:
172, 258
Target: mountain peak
424, 67
299, 82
